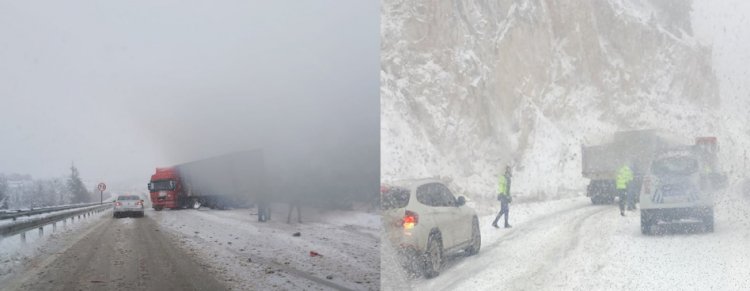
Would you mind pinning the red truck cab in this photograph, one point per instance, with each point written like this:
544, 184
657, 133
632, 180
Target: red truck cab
165, 188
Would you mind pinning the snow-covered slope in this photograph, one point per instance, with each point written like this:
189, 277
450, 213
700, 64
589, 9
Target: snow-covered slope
469, 86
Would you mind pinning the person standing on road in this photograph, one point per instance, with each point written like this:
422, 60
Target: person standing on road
624, 176
264, 209
294, 203
503, 194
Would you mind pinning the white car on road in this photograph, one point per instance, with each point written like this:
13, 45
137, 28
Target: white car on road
425, 222
128, 204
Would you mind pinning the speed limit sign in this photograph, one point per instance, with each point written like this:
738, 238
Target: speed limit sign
101, 187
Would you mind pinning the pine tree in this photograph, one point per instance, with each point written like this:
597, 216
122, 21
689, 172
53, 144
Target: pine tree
4, 197
76, 187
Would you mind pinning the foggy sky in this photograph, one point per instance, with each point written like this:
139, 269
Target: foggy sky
121, 87
724, 25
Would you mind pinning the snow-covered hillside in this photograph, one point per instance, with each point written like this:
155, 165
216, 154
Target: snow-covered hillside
469, 86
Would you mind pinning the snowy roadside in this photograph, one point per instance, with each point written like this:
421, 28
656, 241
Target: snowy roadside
16, 256
570, 244
252, 255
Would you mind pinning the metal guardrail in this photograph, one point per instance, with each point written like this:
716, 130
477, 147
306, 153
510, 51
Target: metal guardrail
22, 226
13, 214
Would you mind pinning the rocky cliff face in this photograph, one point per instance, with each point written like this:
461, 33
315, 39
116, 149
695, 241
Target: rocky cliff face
470, 86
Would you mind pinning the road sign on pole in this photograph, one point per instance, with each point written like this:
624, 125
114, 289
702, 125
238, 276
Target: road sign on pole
101, 188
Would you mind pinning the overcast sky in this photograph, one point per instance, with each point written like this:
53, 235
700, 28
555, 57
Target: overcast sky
121, 87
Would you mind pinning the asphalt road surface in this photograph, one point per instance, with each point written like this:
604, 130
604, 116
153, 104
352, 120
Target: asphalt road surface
118, 254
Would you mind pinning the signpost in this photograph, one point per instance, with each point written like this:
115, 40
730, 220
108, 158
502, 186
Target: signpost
101, 188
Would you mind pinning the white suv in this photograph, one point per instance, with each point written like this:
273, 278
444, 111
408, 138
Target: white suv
425, 222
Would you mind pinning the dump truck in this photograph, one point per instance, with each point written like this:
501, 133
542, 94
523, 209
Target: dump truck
636, 149
236, 179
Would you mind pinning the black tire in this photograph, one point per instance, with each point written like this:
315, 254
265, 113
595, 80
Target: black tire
158, 208
433, 256
708, 221
116, 215
645, 224
595, 200
476, 238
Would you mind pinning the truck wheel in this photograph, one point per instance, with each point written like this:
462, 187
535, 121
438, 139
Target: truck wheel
433, 256
645, 224
708, 221
476, 238
158, 208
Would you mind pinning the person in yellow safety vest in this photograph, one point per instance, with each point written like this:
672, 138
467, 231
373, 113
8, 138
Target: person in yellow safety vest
503, 194
624, 176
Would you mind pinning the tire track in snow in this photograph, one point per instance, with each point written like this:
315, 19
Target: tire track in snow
473, 268
554, 256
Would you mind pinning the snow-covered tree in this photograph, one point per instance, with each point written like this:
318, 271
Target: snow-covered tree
77, 188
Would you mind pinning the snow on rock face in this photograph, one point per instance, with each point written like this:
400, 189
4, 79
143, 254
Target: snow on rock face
470, 86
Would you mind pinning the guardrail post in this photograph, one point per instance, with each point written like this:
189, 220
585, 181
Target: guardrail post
23, 237
41, 231
54, 226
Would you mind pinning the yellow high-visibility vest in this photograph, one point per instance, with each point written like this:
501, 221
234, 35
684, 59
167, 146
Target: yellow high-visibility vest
502, 186
624, 176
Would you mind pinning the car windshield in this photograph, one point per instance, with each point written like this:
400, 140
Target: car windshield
395, 197
675, 166
162, 185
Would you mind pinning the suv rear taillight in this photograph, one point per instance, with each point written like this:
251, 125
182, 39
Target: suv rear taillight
410, 220
118, 203
139, 202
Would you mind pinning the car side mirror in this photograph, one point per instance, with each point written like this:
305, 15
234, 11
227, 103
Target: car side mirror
460, 201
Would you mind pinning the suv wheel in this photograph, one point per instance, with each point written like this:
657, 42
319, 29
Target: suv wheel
433, 256
476, 238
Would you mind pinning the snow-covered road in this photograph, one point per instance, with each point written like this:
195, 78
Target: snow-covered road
266, 256
570, 244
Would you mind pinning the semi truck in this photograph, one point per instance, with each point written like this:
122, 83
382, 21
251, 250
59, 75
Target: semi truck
236, 179
321, 177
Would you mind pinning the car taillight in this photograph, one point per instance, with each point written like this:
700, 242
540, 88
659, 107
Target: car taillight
410, 220
139, 202
118, 203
